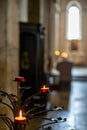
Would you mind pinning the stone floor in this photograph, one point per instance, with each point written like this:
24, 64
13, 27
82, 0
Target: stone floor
76, 112
78, 105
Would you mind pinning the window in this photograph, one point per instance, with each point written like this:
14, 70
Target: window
73, 22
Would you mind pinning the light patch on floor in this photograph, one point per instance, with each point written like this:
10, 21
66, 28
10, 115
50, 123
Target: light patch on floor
79, 71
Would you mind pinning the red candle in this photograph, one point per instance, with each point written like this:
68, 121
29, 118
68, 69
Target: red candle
20, 79
44, 89
20, 119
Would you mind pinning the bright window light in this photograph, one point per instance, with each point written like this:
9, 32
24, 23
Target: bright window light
73, 23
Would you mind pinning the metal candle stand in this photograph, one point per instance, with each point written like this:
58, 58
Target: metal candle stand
20, 126
15, 106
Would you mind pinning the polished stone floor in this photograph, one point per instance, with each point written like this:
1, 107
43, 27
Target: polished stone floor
76, 111
78, 105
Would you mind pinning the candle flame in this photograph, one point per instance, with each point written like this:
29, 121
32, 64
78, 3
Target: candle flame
44, 86
20, 114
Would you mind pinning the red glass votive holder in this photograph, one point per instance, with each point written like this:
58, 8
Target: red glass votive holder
21, 120
45, 89
20, 79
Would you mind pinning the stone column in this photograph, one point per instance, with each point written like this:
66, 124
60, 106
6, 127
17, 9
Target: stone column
9, 45
23, 10
9, 51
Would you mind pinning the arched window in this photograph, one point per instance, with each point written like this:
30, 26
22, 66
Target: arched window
73, 21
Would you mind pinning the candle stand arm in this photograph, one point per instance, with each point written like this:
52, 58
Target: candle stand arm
8, 96
8, 106
53, 121
8, 122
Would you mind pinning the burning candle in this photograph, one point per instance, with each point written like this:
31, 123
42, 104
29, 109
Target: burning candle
44, 89
20, 119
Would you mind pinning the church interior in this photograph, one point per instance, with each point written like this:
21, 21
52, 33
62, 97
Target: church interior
43, 64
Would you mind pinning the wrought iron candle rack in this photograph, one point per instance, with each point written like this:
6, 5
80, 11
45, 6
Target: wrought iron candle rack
28, 113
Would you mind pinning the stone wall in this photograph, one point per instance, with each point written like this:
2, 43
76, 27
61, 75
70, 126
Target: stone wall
34, 11
9, 44
64, 45
9, 50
